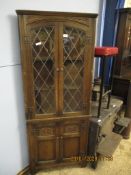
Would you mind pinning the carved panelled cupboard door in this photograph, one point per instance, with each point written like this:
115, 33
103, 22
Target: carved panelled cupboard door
73, 140
54, 142
45, 143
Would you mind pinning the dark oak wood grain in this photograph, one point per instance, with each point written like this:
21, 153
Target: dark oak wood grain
122, 68
57, 50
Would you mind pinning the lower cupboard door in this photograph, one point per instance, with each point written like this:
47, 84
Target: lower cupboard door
44, 144
73, 142
46, 150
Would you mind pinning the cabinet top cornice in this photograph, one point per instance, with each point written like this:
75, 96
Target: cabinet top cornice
52, 13
124, 10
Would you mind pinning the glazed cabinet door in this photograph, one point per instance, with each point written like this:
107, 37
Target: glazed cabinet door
58, 63
75, 68
73, 139
42, 56
44, 143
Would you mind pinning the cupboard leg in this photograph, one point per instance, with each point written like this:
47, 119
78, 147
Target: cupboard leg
126, 133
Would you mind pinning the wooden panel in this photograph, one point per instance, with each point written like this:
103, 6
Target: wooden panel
71, 128
71, 147
46, 150
73, 138
44, 141
45, 131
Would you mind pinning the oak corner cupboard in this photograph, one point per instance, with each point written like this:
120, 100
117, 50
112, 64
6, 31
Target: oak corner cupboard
123, 42
57, 51
122, 68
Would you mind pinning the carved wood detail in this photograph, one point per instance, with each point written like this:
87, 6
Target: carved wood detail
71, 129
84, 21
45, 131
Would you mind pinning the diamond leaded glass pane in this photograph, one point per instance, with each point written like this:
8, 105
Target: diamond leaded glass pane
74, 47
43, 68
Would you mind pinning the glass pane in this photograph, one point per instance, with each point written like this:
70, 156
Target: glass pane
43, 68
74, 47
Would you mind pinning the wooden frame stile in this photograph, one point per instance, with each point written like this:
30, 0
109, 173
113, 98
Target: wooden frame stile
57, 91
61, 68
86, 78
32, 149
31, 99
23, 61
89, 74
25, 74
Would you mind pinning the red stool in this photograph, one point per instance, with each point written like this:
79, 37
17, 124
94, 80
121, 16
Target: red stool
104, 53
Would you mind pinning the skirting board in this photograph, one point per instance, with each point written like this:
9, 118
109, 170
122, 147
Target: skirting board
25, 171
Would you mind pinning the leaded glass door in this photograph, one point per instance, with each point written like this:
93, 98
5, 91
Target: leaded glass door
73, 65
44, 55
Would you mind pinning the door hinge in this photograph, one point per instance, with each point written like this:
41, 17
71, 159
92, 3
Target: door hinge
88, 40
27, 39
29, 113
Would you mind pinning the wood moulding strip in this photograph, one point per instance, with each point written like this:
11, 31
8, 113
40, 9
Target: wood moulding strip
25, 171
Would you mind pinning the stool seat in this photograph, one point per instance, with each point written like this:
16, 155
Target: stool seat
105, 51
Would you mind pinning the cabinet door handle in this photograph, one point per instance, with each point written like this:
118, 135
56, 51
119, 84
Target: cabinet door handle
57, 69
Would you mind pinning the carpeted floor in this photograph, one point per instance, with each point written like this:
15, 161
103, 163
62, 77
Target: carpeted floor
121, 164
